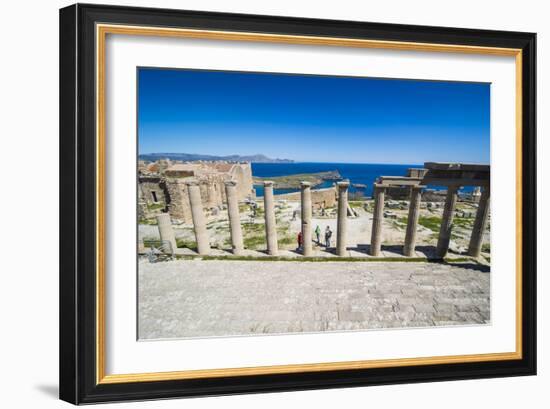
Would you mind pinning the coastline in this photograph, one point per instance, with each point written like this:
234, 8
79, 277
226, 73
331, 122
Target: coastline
361, 175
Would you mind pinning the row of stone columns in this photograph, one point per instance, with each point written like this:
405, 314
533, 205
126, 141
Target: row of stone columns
201, 234
445, 230
202, 239
199, 222
341, 232
378, 219
480, 223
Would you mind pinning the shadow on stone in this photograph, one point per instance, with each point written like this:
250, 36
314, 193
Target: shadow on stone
361, 248
470, 266
428, 251
395, 249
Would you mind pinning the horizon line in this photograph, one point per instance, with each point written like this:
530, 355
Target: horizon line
313, 161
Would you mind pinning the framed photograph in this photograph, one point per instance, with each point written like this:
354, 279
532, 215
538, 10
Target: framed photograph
257, 204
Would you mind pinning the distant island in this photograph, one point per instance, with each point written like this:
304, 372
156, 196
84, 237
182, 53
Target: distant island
189, 157
293, 181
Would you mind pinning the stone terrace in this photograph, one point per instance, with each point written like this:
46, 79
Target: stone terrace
197, 298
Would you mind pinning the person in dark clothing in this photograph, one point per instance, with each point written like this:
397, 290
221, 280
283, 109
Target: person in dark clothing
328, 235
300, 240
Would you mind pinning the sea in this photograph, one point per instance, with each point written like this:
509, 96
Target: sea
357, 173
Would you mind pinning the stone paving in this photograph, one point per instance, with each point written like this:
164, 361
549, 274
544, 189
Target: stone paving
201, 298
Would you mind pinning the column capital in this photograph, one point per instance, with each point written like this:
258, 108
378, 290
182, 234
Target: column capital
305, 185
268, 183
343, 184
230, 183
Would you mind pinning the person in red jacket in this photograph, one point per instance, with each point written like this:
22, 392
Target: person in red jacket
300, 240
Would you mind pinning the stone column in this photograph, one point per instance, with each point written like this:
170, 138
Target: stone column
199, 221
377, 220
234, 217
306, 218
270, 224
342, 218
482, 215
412, 221
447, 222
166, 231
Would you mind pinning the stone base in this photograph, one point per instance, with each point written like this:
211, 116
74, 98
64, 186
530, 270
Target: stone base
360, 252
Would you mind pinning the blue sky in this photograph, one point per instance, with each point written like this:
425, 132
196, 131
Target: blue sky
312, 118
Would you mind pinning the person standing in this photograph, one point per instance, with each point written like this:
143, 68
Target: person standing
299, 240
318, 234
328, 235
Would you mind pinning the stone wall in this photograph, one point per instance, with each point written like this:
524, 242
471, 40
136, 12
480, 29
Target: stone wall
213, 190
212, 187
153, 189
170, 187
212, 196
242, 174
320, 198
153, 197
179, 207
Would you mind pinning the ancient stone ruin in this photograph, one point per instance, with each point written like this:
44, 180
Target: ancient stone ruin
163, 186
190, 189
450, 175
